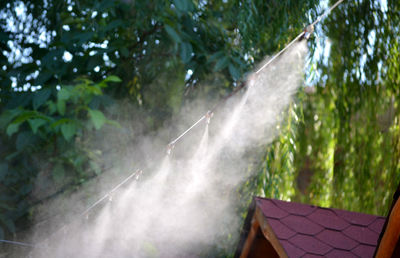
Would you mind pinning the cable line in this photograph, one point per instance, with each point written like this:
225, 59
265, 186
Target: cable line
16, 243
305, 33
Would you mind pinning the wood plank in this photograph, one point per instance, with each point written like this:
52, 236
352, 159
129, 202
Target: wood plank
269, 233
391, 236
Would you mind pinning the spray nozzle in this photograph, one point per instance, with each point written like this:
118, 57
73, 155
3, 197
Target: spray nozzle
138, 174
169, 148
208, 116
251, 79
308, 31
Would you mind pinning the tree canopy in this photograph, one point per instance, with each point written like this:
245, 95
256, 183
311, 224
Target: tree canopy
344, 150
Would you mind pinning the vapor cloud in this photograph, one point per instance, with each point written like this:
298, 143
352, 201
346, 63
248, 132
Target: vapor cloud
183, 205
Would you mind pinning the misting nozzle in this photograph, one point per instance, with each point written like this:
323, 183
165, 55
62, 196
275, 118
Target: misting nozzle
139, 172
170, 146
209, 114
308, 31
251, 79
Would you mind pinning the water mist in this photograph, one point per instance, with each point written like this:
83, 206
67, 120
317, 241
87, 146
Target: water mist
183, 206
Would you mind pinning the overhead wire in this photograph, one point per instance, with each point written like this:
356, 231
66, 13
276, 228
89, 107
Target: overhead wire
322, 16
135, 174
172, 143
16, 243
299, 36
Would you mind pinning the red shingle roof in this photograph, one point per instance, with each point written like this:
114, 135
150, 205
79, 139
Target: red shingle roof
309, 231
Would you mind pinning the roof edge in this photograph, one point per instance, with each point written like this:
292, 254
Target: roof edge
269, 233
246, 228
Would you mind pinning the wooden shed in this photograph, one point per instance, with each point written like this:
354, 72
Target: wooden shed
275, 228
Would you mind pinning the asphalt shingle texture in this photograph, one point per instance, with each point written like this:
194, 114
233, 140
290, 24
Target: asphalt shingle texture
309, 231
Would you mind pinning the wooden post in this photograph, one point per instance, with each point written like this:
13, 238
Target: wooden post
250, 238
391, 235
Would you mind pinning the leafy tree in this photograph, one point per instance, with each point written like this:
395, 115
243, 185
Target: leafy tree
346, 151
58, 56
47, 141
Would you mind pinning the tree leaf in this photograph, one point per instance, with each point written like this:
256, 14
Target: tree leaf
43, 77
234, 71
114, 24
97, 117
12, 128
23, 140
36, 123
172, 33
52, 107
63, 94
112, 78
68, 130
181, 5
40, 97
184, 5
124, 52
19, 100
28, 114
215, 56
7, 116
221, 64
186, 52
61, 107
83, 37
60, 122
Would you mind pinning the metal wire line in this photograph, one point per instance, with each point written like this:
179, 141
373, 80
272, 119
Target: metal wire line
174, 141
187, 130
16, 243
136, 174
326, 12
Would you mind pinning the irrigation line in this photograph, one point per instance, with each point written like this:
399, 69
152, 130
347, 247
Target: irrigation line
136, 174
16, 243
172, 143
280, 52
326, 12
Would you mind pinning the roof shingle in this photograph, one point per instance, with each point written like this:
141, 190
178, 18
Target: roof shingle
337, 239
309, 231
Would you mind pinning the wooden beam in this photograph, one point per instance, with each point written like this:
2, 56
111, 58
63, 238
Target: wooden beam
391, 235
269, 233
250, 238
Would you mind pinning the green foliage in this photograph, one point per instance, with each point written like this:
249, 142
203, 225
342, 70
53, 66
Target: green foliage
137, 40
347, 146
45, 137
